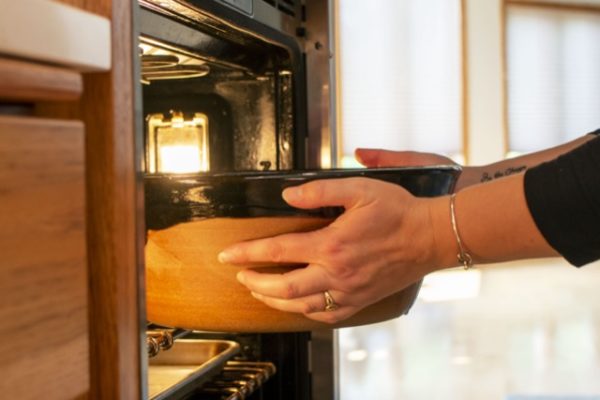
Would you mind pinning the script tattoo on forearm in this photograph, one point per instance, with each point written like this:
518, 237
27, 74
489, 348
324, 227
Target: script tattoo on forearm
486, 177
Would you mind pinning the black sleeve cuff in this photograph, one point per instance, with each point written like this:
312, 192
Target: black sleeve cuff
563, 197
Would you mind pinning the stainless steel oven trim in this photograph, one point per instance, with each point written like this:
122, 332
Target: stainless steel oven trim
321, 84
320, 51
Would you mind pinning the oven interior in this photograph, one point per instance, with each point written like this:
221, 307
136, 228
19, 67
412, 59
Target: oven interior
246, 88
222, 91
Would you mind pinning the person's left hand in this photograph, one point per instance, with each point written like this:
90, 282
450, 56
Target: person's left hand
381, 244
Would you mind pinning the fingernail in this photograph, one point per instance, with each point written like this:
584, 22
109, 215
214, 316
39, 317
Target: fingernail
256, 295
363, 156
358, 156
241, 278
292, 193
225, 257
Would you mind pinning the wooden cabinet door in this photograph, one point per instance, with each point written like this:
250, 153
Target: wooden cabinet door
43, 269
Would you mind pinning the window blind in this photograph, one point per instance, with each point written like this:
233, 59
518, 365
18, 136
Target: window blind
553, 75
400, 83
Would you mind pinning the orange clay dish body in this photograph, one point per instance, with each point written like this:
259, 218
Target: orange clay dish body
187, 287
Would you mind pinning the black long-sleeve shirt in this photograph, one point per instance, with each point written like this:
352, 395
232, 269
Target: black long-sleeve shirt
563, 196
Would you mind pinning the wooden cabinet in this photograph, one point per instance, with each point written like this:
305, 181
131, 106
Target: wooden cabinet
43, 264
43, 268
70, 250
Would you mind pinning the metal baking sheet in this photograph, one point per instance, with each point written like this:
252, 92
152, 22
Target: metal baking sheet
243, 5
187, 365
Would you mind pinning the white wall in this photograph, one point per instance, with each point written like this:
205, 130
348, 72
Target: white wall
485, 110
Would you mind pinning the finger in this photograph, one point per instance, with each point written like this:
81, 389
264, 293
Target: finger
388, 158
297, 283
289, 248
312, 304
371, 157
346, 192
333, 317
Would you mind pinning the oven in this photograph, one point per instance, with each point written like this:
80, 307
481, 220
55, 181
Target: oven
225, 86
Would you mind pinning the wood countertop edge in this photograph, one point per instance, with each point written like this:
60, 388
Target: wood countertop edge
56, 33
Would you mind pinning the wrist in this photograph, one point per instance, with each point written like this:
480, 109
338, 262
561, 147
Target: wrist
463, 256
469, 176
445, 247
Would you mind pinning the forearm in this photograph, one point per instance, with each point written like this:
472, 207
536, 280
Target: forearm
481, 174
493, 222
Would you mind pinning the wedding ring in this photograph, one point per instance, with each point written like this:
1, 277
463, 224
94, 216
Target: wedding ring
330, 304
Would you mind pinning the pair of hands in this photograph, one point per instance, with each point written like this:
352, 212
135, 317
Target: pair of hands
383, 242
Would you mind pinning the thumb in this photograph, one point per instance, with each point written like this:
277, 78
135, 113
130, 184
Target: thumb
385, 158
388, 158
367, 157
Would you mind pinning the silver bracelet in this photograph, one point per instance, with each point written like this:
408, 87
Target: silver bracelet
463, 257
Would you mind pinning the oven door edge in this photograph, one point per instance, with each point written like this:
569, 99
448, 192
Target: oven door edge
321, 71
322, 152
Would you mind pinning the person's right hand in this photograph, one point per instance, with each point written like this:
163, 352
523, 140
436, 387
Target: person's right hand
377, 158
385, 240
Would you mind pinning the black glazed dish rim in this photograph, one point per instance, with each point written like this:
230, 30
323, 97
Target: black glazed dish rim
312, 174
175, 198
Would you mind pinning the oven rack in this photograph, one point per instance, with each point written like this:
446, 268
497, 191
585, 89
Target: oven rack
162, 339
238, 380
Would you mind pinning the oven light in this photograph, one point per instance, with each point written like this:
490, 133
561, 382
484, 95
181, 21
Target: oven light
177, 145
180, 159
